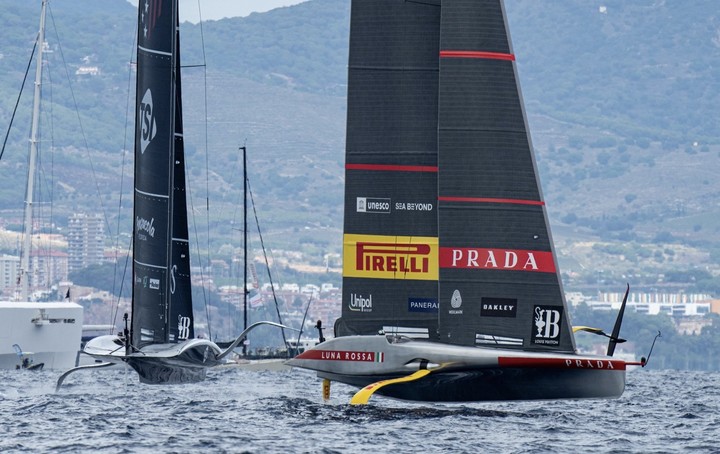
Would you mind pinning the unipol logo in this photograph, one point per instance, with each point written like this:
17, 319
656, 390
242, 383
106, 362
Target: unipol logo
146, 121
360, 304
547, 323
183, 327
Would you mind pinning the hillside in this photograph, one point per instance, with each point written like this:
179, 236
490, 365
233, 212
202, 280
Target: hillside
620, 99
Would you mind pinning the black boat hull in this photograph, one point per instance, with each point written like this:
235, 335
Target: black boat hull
154, 373
462, 374
190, 366
157, 364
498, 384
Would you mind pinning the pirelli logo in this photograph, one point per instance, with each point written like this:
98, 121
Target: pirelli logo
390, 257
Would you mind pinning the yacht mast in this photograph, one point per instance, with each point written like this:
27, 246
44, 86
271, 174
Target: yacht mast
27, 233
245, 260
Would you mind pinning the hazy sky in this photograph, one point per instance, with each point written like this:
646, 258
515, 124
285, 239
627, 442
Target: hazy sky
217, 9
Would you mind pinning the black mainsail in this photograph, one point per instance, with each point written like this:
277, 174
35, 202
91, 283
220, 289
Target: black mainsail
161, 344
162, 303
497, 267
449, 268
390, 273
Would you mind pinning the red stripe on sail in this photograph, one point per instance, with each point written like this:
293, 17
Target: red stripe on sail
154, 11
476, 54
391, 168
563, 363
158, 11
496, 259
491, 200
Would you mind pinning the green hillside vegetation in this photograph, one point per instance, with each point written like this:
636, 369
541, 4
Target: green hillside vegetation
620, 104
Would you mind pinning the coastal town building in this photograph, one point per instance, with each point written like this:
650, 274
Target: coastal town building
86, 240
47, 268
673, 304
9, 265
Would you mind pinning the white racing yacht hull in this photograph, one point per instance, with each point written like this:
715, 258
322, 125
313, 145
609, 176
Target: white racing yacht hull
463, 374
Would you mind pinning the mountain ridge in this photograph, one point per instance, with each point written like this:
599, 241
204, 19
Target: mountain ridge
620, 103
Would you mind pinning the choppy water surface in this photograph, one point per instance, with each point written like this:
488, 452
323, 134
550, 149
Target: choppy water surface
245, 411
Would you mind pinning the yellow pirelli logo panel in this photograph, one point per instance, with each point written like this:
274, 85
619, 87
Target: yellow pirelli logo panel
390, 257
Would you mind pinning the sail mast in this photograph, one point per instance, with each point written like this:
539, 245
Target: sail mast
245, 261
27, 234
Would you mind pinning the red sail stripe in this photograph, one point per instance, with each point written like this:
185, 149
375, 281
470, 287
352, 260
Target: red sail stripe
474, 258
158, 12
154, 11
391, 168
490, 200
151, 18
563, 363
476, 54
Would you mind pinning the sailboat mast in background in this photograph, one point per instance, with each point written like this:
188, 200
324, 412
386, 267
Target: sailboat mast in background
24, 272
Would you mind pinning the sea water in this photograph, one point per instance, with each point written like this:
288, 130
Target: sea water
237, 410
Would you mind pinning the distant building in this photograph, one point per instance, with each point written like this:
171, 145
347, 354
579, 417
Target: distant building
9, 265
86, 240
674, 304
47, 268
692, 325
219, 268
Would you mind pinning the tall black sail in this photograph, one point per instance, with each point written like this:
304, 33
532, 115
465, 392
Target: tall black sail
499, 281
390, 267
162, 305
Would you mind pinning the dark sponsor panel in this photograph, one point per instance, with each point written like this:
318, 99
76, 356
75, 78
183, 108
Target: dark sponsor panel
547, 325
373, 205
498, 307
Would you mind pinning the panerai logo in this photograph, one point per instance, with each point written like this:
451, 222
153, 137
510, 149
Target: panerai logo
547, 323
360, 304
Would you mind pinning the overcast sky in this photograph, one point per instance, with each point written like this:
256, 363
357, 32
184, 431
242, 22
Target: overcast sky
217, 9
